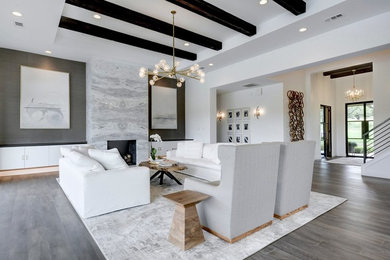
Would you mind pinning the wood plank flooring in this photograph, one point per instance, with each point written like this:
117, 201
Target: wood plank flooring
357, 229
38, 222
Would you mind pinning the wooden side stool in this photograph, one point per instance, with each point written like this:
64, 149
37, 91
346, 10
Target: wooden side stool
186, 231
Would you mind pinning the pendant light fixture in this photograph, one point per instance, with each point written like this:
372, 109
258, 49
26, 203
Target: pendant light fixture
163, 70
354, 94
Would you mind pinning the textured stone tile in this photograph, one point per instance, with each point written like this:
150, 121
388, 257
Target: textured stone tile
117, 105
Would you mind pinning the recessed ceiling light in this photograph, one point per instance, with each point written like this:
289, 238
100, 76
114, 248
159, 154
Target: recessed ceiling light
303, 29
96, 16
186, 44
48, 52
263, 2
16, 13
211, 64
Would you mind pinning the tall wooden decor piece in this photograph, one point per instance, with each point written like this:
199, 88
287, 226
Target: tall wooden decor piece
295, 112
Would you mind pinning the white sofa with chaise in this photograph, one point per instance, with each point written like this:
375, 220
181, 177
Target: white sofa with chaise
201, 159
94, 190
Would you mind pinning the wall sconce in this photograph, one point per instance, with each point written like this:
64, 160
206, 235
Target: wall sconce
220, 115
258, 112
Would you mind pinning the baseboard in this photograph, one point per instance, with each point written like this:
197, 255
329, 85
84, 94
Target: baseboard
237, 238
20, 174
290, 213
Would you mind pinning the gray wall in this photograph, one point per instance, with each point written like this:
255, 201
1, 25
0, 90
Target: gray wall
117, 105
10, 132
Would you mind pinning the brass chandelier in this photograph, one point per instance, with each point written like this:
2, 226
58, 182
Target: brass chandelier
163, 70
354, 94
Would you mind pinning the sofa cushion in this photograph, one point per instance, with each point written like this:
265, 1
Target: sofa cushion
83, 148
110, 159
65, 150
84, 162
210, 152
190, 150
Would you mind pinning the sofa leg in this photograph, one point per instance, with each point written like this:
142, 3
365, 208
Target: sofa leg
290, 213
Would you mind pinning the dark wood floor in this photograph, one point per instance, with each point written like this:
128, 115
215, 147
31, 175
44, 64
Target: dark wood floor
357, 229
37, 221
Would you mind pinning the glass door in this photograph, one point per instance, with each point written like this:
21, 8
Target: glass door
326, 130
359, 119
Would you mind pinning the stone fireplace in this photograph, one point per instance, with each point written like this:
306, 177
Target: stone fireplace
117, 108
127, 149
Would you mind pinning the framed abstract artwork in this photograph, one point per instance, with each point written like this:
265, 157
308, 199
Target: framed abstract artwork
44, 99
164, 108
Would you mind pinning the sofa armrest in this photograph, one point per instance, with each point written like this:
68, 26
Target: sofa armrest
171, 154
203, 187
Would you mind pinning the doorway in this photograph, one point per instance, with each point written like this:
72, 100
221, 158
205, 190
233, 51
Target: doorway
326, 130
359, 118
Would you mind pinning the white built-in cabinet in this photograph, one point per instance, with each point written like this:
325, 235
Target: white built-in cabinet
29, 156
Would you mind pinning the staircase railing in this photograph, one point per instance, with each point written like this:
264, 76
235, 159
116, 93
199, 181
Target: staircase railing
376, 140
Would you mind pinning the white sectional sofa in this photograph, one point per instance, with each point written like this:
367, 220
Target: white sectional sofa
201, 159
96, 188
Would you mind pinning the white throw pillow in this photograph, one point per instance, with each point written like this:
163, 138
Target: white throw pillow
210, 152
193, 150
180, 149
110, 159
65, 150
83, 148
85, 162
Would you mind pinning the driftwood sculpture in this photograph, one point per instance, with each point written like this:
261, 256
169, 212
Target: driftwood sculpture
295, 112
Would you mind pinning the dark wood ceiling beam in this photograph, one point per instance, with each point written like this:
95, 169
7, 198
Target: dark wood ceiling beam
94, 30
217, 15
130, 16
296, 7
349, 71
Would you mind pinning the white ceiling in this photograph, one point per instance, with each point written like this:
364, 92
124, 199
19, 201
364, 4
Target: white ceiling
276, 27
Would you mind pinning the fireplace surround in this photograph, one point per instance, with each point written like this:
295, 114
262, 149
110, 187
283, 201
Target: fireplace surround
127, 149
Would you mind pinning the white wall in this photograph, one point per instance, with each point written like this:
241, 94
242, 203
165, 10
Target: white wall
268, 127
381, 83
200, 112
321, 93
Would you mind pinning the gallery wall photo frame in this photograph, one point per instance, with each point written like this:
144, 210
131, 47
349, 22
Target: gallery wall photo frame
238, 138
246, 139
230, 127
237, 114
44, 98
229, 115
245, 113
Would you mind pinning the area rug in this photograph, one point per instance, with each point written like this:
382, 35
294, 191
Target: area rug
347, 161
142, 232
